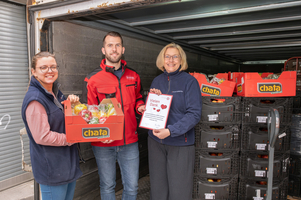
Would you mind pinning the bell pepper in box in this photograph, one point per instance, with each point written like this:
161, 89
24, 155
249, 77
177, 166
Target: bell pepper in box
110, 110
94, 110
94, 120
102, 120
86, 115
78, 108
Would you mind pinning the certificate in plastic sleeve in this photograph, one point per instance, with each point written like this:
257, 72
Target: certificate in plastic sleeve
156, 113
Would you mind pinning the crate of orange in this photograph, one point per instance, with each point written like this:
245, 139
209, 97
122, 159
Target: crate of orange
78, 130
224, 89
253, 85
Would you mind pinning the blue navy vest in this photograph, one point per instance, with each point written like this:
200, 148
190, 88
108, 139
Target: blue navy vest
51, 165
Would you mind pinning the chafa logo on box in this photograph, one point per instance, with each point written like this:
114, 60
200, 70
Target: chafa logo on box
102, 132
269, 87
206, 89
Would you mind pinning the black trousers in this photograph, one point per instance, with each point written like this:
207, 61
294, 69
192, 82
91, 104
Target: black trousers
171, 170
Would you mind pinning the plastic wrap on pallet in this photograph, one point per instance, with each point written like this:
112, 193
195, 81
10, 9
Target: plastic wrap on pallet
297, 111
248, 189
296, 121
297, 100
295, 165
294, 185
219, 136
255, 138
254, 164
215, 188
296, 134
216, 163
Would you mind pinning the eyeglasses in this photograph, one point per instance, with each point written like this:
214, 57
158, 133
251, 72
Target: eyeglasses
45, 69
174, 57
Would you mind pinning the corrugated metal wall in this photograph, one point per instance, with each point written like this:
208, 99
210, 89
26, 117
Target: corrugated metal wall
13, 85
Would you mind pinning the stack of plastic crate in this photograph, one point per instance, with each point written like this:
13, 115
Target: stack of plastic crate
297, 103
217, 149
255, 148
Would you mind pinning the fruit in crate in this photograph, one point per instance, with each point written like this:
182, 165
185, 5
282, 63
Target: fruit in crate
262, 183
94, 110
78, 108
110, 110
102, 120
108, 106
86, 115
94, 114
94, 120
265, 156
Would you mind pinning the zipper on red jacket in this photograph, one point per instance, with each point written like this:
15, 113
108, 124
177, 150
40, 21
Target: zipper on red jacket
122, 109
121, 104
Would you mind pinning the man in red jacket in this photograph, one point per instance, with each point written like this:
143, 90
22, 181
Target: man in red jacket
113, 79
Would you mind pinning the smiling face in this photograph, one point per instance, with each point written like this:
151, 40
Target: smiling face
172, 60
113, 50
46, 79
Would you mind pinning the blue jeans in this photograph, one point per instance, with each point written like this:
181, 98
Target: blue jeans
58, 192
128, 160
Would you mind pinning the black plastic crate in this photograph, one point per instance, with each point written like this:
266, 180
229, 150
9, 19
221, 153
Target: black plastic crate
297, 100
217, 136
221, 109
294, 185
215, 188
296, 111
256, 109
254, 164
296, 122
255, 138
295, 145
217, 163
248, 189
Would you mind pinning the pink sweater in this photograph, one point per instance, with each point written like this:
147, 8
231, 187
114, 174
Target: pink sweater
37, 121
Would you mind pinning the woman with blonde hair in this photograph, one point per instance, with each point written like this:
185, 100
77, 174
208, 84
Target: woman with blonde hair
171, 149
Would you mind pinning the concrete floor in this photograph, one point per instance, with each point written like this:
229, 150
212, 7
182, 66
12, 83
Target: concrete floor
25, 191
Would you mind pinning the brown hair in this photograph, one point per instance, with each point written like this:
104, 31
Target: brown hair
39, 55
113, 34
160, 58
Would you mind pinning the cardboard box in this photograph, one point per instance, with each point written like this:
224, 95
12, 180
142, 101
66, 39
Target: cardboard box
253, 85
232, 76
222, 75
225, 89
77, 129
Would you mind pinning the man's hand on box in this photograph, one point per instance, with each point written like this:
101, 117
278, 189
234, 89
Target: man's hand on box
107, 141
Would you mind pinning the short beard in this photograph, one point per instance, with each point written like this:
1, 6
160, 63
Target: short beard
117, 60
